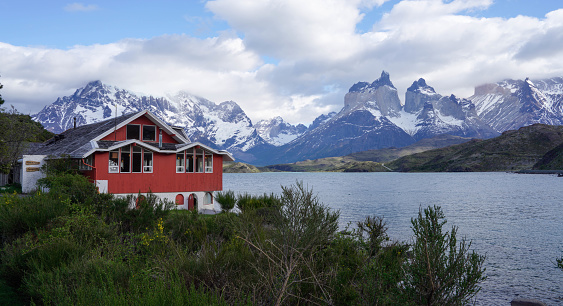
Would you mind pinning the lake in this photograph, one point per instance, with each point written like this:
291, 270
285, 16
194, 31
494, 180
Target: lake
516, 220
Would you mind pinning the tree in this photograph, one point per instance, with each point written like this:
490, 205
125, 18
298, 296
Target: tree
441, 272
16, 131
289, 246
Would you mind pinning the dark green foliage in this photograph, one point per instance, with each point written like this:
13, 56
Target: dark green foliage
73, 246
441, 272
247, 202
11, 188
287, 250
226, 199
512, 151
75, 187
16, 131
19, 215
560, 262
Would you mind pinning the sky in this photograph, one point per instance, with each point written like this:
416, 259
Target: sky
291, 58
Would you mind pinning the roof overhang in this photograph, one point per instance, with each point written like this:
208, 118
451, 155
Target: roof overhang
95, 148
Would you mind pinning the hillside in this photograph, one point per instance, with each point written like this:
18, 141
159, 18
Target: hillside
367, 161
512, 151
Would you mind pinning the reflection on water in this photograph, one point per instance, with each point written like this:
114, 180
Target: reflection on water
515, 220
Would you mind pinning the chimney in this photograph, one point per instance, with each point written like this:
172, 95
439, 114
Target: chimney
74, 122
160, 139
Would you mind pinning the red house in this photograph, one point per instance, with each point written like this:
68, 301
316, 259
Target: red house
137, 153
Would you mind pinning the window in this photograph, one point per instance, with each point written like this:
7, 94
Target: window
147, 161
190, 161
137, 159
133, 131
125, 159
199, 160
132, 159
208, 163
86, 163
180, 162
114, 161
208, 199
149, 133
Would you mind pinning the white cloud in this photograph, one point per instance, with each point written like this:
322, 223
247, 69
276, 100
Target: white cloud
80, 7
319, 54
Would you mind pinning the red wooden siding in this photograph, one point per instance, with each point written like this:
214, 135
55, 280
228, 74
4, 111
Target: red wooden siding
163, 178
121, 133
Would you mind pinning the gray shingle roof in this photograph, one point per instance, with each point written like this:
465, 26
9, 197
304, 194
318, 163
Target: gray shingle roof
76, 142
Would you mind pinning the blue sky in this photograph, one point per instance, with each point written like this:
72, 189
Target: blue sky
273, 57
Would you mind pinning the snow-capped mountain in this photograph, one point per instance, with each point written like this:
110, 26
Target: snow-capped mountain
372, 117
277, 132
362, 124
224, 125
512, 104
427, 114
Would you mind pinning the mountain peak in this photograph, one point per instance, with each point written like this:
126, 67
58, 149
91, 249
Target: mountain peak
383, 80
421, 85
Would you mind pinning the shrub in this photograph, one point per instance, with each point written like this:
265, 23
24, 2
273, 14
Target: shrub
247, 202
288, 251
441, 272
226, 199
74, 186
21, 214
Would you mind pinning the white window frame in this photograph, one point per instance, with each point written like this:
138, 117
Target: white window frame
114, 168
198, 166
148, 169
208, 169
181, 168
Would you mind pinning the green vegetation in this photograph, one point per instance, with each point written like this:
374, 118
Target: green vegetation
512, 151
16, 132
226, 199
236, 167
73, 245
11, 188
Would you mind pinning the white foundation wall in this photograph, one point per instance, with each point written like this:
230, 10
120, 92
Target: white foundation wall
31, 165
171, 196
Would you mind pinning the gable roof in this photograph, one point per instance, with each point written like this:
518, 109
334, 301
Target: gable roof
82, 141
75, 142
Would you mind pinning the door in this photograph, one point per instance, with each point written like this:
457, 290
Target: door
192, 202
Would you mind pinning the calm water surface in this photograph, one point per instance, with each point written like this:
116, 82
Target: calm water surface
515, 220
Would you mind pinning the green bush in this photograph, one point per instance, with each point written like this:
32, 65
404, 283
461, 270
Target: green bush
74, 186
64, 240
441, 272
11, 188
226, 199
75, 246
19, 215
247, 202
288, 249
